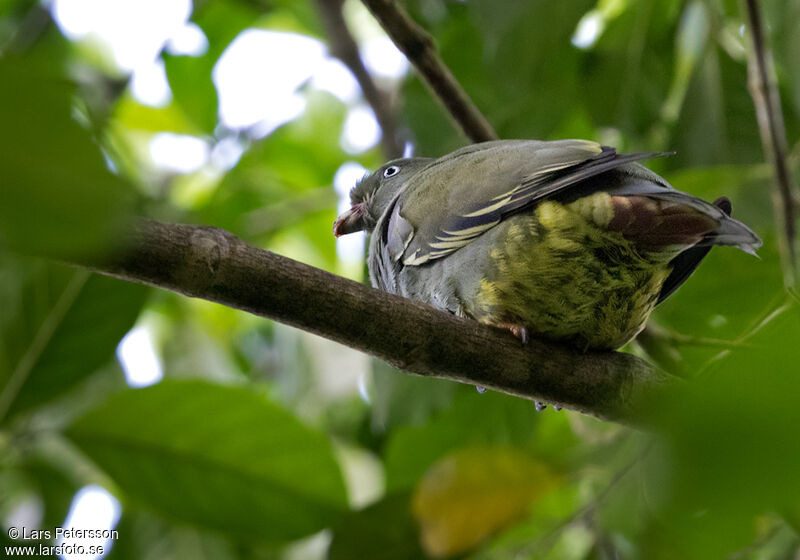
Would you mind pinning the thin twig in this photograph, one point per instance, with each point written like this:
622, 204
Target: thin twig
764, 91
419, 48
546, 542
654, 330
215, 265
761, 322
343, 46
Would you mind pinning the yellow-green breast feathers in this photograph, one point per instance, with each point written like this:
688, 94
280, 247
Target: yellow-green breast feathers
564, 276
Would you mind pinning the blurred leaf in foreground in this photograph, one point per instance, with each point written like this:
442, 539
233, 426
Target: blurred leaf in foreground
220, 457
58, 195
57, 327
732, 450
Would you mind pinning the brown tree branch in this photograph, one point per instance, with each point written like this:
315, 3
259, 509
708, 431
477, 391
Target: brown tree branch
419, 48
215, 265
764, 91
344, 47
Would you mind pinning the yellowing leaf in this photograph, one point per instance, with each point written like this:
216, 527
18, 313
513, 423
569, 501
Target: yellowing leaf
474, 492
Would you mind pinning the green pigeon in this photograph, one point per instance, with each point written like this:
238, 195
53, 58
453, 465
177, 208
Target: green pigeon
566, 240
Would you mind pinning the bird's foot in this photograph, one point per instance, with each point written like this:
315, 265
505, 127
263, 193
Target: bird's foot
540, 406
481, 389
517, 330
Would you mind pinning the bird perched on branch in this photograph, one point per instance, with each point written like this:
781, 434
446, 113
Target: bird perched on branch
565, 240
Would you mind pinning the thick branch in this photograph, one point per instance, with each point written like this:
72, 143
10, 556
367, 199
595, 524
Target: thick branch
764, 91
214, 264
419, 48
344, 47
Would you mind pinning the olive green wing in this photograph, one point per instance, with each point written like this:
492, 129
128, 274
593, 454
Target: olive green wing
460, 196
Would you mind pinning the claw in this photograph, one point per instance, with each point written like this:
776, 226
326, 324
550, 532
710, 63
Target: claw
481, 389
517, 330
540, 406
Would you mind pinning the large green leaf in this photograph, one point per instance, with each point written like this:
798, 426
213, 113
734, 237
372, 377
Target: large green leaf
57, 327
731, 453
217, 456
475, 419
58, 195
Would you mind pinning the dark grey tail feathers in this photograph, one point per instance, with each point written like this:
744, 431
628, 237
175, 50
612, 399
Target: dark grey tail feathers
731, 232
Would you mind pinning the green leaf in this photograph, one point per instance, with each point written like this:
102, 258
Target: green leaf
192, 89
382, 531
58, 195
57, 327
217, 456
223, 20
474, 419
730, 452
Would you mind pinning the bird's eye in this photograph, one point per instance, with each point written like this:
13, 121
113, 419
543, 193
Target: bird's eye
391, 171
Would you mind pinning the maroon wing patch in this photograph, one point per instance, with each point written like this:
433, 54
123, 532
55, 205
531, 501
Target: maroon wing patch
653, 224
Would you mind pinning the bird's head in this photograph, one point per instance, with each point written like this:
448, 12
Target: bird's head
372, 195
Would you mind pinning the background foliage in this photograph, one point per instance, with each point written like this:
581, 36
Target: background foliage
264, 442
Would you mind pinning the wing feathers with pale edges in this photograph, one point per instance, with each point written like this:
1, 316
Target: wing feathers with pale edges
471, 218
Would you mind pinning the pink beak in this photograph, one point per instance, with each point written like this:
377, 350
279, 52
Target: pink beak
349, 222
